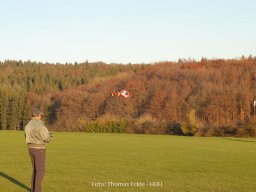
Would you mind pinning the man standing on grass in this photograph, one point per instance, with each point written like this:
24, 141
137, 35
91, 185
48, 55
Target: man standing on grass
37, 135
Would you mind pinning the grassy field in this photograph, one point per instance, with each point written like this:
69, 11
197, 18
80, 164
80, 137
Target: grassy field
77, 162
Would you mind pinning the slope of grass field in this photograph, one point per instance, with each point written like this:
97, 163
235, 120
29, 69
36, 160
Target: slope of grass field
76, 162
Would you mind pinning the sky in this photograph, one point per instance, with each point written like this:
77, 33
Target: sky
126, 31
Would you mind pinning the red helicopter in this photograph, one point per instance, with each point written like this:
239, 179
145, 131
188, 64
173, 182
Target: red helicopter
123, 93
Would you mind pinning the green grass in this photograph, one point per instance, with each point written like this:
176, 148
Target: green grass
75, 160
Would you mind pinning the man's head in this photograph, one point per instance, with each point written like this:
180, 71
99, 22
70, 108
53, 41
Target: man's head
37, 113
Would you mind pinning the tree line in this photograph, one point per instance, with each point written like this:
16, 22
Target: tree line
205, 98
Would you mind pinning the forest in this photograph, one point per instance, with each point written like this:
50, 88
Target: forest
214, 97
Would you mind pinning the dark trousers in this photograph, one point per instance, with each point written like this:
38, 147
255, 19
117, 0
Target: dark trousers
38, 163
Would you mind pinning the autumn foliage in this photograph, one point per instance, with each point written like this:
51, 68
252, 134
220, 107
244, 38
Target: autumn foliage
206, 98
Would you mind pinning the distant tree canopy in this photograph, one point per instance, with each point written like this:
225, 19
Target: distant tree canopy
207, 98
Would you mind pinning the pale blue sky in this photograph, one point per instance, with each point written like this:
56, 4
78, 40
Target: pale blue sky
124, 31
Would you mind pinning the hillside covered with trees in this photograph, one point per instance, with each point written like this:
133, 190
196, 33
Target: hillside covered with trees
205, 98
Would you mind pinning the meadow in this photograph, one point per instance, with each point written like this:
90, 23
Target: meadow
81, 162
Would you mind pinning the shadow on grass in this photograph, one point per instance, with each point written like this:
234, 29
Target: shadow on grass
16, 182
241, 140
